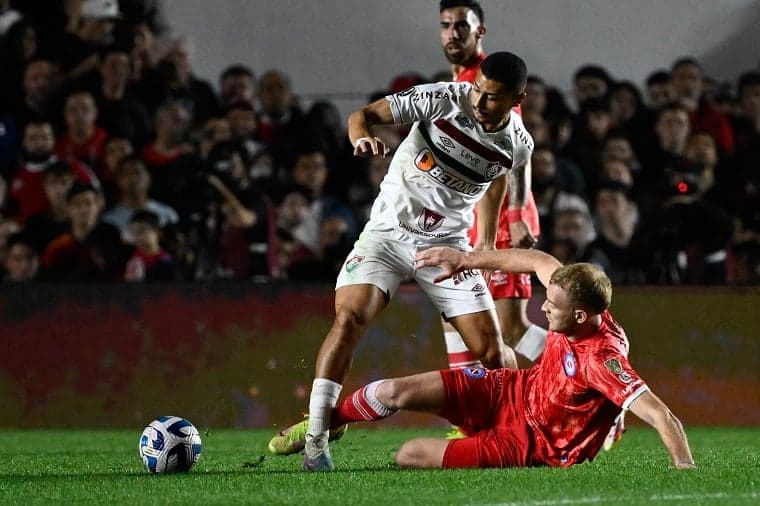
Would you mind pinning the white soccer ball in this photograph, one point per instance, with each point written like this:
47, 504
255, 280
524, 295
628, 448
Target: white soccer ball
170, 444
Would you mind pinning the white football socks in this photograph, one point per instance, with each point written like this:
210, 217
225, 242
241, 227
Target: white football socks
458, 354
324, 396
532, 343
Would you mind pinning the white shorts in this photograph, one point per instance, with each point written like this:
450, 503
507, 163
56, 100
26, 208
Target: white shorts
385, 263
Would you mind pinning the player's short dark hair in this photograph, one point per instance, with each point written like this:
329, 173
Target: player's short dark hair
470, 4
683, 62
746, 80
237, 70
593, 71
507, 68
587, 286
147, 218
658, 77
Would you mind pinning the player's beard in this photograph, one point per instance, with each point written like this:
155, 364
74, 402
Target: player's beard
456, 53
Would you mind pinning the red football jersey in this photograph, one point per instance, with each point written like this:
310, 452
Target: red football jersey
576, 391
530, 212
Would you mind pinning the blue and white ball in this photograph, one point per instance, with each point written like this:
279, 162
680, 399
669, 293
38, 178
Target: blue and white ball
170, 444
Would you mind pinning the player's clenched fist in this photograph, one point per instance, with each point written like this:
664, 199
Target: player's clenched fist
370, 146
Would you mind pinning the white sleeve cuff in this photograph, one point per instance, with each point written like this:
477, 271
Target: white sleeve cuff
635, 395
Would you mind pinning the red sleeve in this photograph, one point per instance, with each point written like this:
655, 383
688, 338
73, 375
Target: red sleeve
609, 372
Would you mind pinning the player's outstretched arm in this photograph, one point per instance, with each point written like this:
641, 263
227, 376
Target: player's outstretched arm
653, 411
360, 124
451, 261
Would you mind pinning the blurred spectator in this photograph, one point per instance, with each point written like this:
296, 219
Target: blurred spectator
244, 128
362, 192
17, 49
659, 89
38, 82
747, 123
310, 173
133, 183
702, 152
550, 183
291, 212
594, 123
119, 113
8, 227
535, 100
630, 117
237, 86
690, 235
591, 81
573, 232
116, 148
76, 255
168, 156
82, 139
91, 25
22, 259
618, 239
214, 131
149, 261
144, 54
687, 80
54, 221
173, 79
325, 131
281, 121
334, 245
247, 223
672, 129
27, 189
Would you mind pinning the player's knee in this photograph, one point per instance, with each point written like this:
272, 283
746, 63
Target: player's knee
493, 355
411, 455
390, 393
349, 321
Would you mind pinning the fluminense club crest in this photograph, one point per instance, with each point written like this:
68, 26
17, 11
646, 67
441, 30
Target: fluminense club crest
429, 220
492, 169
353, 263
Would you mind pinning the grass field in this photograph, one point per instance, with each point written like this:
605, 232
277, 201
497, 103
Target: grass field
103, 467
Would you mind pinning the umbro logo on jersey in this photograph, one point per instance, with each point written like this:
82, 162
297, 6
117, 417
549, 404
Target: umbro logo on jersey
447, 142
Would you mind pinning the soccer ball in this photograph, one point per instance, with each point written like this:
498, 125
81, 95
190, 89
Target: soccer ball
170, 444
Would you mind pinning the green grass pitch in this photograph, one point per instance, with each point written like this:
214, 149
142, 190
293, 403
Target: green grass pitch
103, 467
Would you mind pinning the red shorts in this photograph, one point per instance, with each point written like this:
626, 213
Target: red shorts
488, 405
510, 285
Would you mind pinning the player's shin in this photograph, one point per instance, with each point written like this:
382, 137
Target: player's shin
362, 405
458, 354
324, 396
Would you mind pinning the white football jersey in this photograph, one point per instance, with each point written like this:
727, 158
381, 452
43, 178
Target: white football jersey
445, 164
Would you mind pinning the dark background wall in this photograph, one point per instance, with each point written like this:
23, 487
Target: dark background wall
348, 49
238, 355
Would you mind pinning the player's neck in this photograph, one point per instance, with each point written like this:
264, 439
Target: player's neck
458, 68
587, 329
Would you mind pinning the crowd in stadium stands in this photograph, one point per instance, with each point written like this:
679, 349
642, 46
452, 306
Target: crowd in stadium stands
118, 163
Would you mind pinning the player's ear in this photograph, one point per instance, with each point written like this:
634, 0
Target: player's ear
519, 98
481, 31
580, 316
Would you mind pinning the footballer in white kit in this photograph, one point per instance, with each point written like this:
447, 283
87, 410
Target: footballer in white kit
437, 176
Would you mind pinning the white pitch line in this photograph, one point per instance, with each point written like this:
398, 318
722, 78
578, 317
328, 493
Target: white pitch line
653, 499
